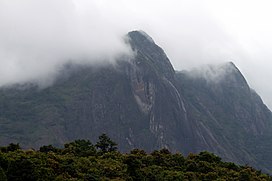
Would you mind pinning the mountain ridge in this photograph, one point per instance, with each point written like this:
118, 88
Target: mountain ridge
142, 98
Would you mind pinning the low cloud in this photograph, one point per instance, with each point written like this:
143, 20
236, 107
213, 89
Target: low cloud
37, 37
214, 73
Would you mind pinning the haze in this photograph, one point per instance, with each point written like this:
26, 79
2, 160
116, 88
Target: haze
38, 36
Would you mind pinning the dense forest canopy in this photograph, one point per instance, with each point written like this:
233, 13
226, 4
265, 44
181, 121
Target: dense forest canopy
82, 160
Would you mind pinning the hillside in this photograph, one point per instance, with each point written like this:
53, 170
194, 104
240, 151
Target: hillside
143, 103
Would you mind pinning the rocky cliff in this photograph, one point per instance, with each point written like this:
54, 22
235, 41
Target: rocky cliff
143, 103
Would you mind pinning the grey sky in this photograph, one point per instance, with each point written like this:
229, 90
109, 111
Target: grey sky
38, 36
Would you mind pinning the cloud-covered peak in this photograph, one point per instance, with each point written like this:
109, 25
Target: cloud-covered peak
215, 73
38, 37
140, 35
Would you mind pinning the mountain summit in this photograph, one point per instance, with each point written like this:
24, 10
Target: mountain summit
144, 103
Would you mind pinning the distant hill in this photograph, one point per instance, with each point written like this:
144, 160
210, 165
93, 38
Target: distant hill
144, 103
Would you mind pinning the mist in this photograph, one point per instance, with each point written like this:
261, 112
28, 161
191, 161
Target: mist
38, 37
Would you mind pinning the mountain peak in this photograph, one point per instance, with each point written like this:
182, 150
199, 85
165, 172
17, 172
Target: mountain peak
230, 65
216, 73
149, 53
211, 108
140, 35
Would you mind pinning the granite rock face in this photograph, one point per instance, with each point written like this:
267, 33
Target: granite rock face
232, 113
144, 103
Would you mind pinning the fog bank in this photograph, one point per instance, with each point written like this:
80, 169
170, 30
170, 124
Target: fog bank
37, 37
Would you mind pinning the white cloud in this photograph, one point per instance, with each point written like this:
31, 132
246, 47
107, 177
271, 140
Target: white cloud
38, 35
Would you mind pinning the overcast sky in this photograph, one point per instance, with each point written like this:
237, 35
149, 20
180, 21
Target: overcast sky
38, 36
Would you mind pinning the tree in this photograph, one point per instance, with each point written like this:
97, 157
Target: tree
49, 148
208, 157
10, 147
105, 144
80, 148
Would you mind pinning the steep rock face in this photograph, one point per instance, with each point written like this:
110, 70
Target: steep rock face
220, 98
152, 77
130, 101
149, 53
143, 103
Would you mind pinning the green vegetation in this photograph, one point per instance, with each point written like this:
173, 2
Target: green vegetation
81, 160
